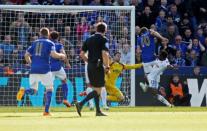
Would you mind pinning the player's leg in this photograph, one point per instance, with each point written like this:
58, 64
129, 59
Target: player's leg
147, 69
47, 81
90, 102
33, 79
153, 88
62, 76
104, 98
115, 94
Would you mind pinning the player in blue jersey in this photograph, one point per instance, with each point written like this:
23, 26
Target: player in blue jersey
38, 55
146, 45
153, 67
57, 66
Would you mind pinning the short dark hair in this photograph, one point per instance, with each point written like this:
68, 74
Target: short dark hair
101, 27
44, 32
116, 53
143, 30
163, 54
54, 35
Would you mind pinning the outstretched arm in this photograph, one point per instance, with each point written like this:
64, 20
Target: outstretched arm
134, 66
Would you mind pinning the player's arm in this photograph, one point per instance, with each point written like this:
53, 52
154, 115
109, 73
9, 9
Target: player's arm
28, 53
106, 60
84, 49
83, 56
156, 34
27, 57
56, 55
66, 58
134, 66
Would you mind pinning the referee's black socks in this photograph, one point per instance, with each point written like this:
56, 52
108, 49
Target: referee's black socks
88, 97
96, 99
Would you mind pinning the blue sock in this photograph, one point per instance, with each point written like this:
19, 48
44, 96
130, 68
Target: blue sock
48, 100
65, 91
29, 91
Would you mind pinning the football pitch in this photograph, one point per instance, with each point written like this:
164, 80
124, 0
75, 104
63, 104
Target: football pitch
118, 119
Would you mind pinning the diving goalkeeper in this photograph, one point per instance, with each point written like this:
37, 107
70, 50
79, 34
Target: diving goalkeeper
116, 68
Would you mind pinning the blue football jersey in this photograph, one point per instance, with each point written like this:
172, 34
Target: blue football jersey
56, 64
147, 45
40, 54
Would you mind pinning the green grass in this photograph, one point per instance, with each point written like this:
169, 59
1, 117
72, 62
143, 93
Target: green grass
118, 119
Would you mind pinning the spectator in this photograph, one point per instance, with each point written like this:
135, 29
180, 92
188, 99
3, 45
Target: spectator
161, 21
147, 18
7, 48
175, 14
177, 92
179, 45
204, 54
81, 28
154, 7
179, 61
184, 24
112, 44
125, 53
187, 38
192, 59
67, 35
196, 46
121, 3
117, 26
197, 71
163, 5
199, 35
170, 33
20, 29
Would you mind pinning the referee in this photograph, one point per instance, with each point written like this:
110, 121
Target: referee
97, 57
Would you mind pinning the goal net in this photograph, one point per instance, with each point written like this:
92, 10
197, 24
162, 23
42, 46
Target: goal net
20, 25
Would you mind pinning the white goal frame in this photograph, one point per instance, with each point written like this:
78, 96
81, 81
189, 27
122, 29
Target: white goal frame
52, 8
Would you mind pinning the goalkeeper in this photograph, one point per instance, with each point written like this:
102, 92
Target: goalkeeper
116, 68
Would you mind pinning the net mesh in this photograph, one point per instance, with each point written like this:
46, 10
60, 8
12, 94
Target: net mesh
18, 28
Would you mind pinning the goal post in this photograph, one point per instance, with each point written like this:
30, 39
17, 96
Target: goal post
20, 24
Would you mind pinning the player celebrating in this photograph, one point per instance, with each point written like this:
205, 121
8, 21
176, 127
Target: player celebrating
146, 46
57, 67
114, 94
153, 77
38, 55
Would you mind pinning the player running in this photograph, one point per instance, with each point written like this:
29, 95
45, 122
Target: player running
57, 66
38, 55
153, 77
146, 45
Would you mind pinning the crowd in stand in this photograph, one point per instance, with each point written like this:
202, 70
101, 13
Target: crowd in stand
183, 22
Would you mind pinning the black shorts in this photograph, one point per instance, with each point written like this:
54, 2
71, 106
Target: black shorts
96, 75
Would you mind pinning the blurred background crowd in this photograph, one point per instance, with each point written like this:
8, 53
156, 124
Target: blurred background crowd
183, 22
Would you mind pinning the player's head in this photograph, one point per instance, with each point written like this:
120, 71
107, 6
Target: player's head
163, 55
54, 35
117, 56
101, 27
143, 30
44, 32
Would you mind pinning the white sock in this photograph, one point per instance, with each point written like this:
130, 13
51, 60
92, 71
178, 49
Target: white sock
91, 104
103, 96
163, 100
